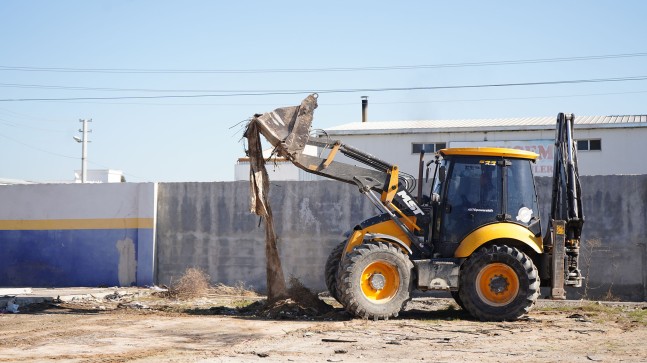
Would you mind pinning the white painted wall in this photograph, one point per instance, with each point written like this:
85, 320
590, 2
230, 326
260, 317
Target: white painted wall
283, 170
78, 201
622, 148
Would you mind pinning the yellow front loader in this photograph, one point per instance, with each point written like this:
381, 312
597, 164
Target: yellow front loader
477, 233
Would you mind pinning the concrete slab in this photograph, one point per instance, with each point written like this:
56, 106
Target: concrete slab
15, 291
27, 296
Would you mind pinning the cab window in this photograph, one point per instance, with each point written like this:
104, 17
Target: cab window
522, 199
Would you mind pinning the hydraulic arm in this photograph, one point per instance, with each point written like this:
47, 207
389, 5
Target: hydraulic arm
287, 129
563, 240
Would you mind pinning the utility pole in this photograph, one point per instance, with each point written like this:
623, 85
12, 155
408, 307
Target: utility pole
84, 149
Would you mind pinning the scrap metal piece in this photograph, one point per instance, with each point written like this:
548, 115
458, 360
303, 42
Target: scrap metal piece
288, 128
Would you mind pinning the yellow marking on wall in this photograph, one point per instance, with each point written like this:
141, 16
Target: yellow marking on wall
69, 224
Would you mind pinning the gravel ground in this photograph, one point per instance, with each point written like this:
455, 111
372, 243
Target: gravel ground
142, 327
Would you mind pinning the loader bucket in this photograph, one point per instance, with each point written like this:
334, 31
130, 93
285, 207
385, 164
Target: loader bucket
288, 128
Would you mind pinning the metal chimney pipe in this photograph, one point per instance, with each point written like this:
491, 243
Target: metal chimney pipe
364, 108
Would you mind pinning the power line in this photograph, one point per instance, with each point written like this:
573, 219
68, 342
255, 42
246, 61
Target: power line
328, 91
314, 70
109, 89
166, 104
61, 155
504, 98
28, 117
37, 148
12, 124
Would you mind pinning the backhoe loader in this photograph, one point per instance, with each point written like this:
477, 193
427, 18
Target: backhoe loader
476, 233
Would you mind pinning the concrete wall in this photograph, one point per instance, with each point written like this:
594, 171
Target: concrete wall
77, 234
208, 225
614, 238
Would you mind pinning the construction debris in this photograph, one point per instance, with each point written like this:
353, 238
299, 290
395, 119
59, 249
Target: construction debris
11, 307
300, 303
259, 204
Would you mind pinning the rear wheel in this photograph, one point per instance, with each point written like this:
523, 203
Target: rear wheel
332, 268
498, 283
375, 281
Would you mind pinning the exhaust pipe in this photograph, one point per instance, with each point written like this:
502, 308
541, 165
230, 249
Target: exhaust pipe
364, 108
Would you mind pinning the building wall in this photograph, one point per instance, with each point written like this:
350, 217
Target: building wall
99, 176
619, 145
77, 234
276, 171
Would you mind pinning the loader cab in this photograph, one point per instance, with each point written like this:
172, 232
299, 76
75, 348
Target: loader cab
475, 187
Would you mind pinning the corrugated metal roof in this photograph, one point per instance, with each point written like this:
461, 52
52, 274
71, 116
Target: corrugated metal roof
524, 123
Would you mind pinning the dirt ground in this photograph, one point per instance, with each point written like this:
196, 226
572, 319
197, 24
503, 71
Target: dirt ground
144, 328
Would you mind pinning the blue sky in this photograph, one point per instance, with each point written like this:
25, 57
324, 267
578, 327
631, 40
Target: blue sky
198, 139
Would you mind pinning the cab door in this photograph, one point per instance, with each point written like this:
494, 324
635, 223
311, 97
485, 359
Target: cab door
472, 198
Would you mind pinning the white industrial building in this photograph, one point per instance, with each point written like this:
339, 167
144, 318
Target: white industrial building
100, 176
278, 168
93, 176
607, 145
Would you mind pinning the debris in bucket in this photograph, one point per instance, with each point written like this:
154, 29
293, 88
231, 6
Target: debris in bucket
297, 301
259, 204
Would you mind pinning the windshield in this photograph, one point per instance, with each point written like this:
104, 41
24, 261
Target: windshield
441, 169
522, 200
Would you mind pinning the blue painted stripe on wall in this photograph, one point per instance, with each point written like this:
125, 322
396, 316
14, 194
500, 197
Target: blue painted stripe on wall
62, 258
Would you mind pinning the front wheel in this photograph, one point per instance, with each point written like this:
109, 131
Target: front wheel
498, 283
375, 281
332, 268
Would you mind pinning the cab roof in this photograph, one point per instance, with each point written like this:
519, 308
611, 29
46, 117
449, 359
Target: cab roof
489, 151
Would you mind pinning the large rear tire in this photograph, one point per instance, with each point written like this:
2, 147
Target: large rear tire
332, 268
498, 283
375, 281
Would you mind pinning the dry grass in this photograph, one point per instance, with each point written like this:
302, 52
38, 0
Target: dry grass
193, 284
237, 290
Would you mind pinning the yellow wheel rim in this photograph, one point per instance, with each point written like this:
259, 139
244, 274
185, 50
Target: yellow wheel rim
497, 284
380, 281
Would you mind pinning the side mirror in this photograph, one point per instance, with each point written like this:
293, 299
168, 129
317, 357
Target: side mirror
435, 198
442, 174
535, 226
